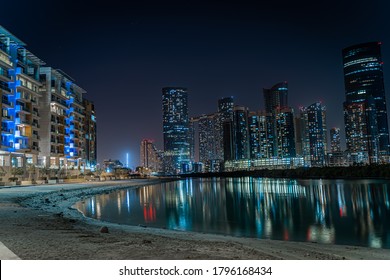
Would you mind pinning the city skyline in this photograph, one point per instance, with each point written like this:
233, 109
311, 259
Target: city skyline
123, 54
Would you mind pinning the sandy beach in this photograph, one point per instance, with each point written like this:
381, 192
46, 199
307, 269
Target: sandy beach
38, 222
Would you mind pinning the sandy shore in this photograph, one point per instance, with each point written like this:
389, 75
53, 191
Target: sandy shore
38, 222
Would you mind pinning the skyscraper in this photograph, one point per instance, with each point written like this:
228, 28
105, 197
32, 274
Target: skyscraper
276, 97
225, 114
335, 143
258, 142
314, 134
365, 112
175, 130
150, 157
90, 133
285, 132
236, 135
208, 142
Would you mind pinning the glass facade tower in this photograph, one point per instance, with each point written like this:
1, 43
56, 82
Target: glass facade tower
365, 102
175, 130
314, 135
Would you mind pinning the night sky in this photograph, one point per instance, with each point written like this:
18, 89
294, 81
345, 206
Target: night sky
124, 53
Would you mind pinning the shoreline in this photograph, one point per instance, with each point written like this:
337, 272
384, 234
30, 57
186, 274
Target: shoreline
40, 223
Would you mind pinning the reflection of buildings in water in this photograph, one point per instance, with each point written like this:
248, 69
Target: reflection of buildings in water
265, 205
368, 203
322, 211
96, 207
149, 212
128, 201
119, 202
321, 234
200, 208
374, 241
341, 201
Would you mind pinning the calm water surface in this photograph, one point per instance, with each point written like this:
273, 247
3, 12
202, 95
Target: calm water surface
353, 212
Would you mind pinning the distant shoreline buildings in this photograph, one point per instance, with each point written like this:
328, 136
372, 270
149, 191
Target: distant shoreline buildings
235, 138
46, 121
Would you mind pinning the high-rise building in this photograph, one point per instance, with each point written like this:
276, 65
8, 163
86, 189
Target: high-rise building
335, 142
276, 97
90, 133
241, 133
314, 134
298, 135
336, 157
365, 113
285, 132
20, 93
258, 140
209, 142
43, 116
62, 120
150, 156
225, 114
236, 135
175, 130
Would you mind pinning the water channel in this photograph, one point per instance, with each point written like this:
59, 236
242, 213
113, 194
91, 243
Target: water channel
349, 212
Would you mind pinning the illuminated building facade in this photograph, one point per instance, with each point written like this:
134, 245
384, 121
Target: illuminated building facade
365, 112
298, 135
335, 142
208, 142
236, 135
225, 114
150, 156
175, 130
360, 130
313, 119
258, 135
43, 116
62, 120
285, 132
90, 133
336, 157
240, 123
20, 93
275, 98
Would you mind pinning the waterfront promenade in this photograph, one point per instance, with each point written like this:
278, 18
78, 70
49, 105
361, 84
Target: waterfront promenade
38, 222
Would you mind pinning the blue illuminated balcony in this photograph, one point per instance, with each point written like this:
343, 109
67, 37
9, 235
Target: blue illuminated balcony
22, 109
7, 131
14, 84
69, 111
19, 121
70, 101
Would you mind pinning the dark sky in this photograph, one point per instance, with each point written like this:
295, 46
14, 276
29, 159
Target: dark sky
124, 52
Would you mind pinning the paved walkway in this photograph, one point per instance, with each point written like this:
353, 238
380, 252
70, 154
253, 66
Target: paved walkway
7, 254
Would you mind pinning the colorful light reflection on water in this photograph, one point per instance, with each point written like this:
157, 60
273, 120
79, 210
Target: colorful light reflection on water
325, 211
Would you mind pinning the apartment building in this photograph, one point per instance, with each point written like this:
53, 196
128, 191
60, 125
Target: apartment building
44, 121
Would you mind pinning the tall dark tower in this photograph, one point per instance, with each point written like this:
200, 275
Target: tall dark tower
365, 110
175, 130
225, 115
275, 97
